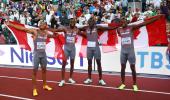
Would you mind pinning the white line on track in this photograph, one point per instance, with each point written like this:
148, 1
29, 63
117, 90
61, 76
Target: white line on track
15, 97
94, 86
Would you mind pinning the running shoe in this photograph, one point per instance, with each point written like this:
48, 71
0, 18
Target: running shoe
122, 87
46, 87
101, 82
61, 83
70, 80
34, 92
88, 81
135, 88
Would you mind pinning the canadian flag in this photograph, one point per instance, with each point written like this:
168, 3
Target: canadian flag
150, 35
25, 40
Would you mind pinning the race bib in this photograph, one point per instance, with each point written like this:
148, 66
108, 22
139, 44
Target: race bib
41, 45
126, 40
70, 39
91, 44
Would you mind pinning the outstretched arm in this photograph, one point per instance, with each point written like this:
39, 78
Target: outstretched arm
146, 22
57, 30
55, 34
28, 30
81, 33
83, 28
107, 28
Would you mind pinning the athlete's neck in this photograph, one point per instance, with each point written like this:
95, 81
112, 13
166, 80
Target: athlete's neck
72, 27
92, 27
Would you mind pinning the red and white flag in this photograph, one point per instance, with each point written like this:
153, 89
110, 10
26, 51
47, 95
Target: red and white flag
25, 40
150, 35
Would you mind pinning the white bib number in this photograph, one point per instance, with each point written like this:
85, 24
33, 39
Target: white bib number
126, 40
41, 45
70, 39
91, 44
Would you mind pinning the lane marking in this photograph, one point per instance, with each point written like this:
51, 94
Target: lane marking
15, 97
94, 86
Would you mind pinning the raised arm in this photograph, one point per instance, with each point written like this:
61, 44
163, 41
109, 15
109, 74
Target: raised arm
28, 30
146, 22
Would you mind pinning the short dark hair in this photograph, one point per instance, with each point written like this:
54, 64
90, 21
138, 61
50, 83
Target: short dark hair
91, 20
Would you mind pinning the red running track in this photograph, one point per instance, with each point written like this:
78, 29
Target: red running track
16, 84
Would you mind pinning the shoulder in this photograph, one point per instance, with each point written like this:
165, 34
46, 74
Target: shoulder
65, 28
32, 31
120, 28
46, 31
76, 29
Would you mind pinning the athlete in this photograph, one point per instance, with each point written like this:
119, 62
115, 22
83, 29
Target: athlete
127, 49
39, 55
69, 49
93, 50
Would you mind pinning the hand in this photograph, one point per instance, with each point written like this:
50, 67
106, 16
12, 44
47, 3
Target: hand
160, 15
55, 34
7, 22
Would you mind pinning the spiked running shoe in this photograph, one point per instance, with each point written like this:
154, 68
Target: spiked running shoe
122, 87
46, 87
61, 83
88, 81
70, 80
101, 82
34, 92
135, 88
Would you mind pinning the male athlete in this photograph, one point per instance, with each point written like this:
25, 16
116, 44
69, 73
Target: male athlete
127, 49
39, 55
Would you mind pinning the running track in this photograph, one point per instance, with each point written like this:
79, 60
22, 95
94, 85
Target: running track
15, 84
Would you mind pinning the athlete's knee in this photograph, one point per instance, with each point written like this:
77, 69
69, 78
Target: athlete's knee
123, 67
132, 66
98, 64
98, 61
43, 69
72, 62
35, 71
90, 62
64, 62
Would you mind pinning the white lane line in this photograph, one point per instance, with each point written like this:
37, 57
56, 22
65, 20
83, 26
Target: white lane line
105, 87
15, 97
84, 72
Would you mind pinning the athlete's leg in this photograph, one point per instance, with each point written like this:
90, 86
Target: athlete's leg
63, 69
123, 67
99, 68
71, 67
123, 61
43, 62
89, 68
132, 66
36, 62
72, 59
